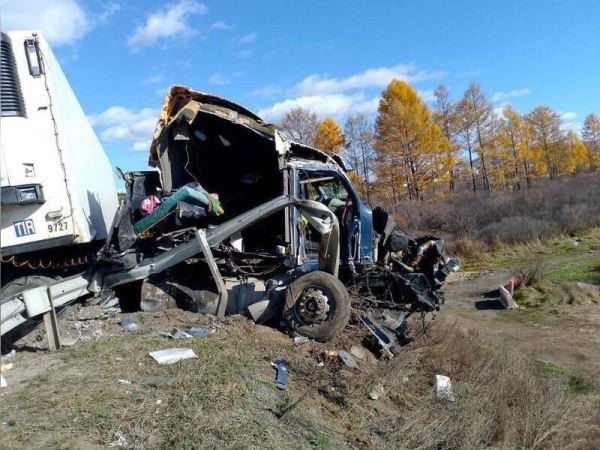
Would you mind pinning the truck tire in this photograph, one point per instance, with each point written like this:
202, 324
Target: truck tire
317, 305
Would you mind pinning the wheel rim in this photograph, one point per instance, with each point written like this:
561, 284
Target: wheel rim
314, 305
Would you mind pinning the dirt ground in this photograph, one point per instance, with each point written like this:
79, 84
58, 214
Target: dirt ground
569, 338
103, 390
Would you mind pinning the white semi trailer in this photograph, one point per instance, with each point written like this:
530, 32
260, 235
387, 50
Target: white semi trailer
58, 190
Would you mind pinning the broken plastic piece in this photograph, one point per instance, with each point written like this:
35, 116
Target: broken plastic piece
122, 381
2, 381
300, 339
172, 355
281, 365
443, 388
187, 333
129, 324
347, 359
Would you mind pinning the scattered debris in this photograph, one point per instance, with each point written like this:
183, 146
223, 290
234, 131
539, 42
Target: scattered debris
300, 339
359, 352
347, 359
187, 333
8, 355
156, 380
197, 331
377, 392
128, 323
443, 388
2, 381
172, 355
281, 365
122, 381
386, 340
119, 440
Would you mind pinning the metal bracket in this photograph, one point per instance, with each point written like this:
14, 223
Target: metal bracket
214, 270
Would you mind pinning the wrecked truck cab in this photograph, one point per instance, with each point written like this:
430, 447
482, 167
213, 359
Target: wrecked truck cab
237, 218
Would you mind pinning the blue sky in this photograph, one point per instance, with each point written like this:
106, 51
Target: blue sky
332, 56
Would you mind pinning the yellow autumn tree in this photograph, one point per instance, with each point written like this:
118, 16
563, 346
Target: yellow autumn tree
329, 137
513, 136
412, 151
576, 156
591, 137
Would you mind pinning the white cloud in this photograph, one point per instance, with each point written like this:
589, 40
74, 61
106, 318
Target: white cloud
568, 116
378, 77
335, 105
270, 90
247, 39
61, 21
504, 96
118, 124
222, 25
166, 23
340, 97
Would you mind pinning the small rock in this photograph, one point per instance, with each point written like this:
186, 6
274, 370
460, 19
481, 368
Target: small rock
377, 392
119, 440
129, 324
359, 352
121, 381
405, 379
347, 359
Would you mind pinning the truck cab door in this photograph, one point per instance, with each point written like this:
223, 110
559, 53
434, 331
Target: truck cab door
334, 190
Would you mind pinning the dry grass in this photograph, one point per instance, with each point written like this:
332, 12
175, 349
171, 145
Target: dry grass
226, 398
504, 400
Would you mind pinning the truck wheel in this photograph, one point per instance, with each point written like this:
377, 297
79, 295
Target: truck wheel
317, 305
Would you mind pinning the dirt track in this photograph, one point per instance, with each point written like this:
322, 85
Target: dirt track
570, 338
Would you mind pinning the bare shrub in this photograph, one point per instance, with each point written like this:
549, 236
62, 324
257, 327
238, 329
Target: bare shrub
529, 275
566, 206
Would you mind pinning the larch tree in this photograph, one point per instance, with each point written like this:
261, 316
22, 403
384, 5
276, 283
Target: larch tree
445, 115
359, 134
513, 136
329, 137
466, 131
412, 150
590, 134
547, 140
301, 124
577, 157
480, 113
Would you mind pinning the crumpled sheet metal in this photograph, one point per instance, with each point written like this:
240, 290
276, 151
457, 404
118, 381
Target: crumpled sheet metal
180, 96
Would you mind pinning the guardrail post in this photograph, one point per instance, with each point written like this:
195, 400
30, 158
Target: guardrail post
51, 325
